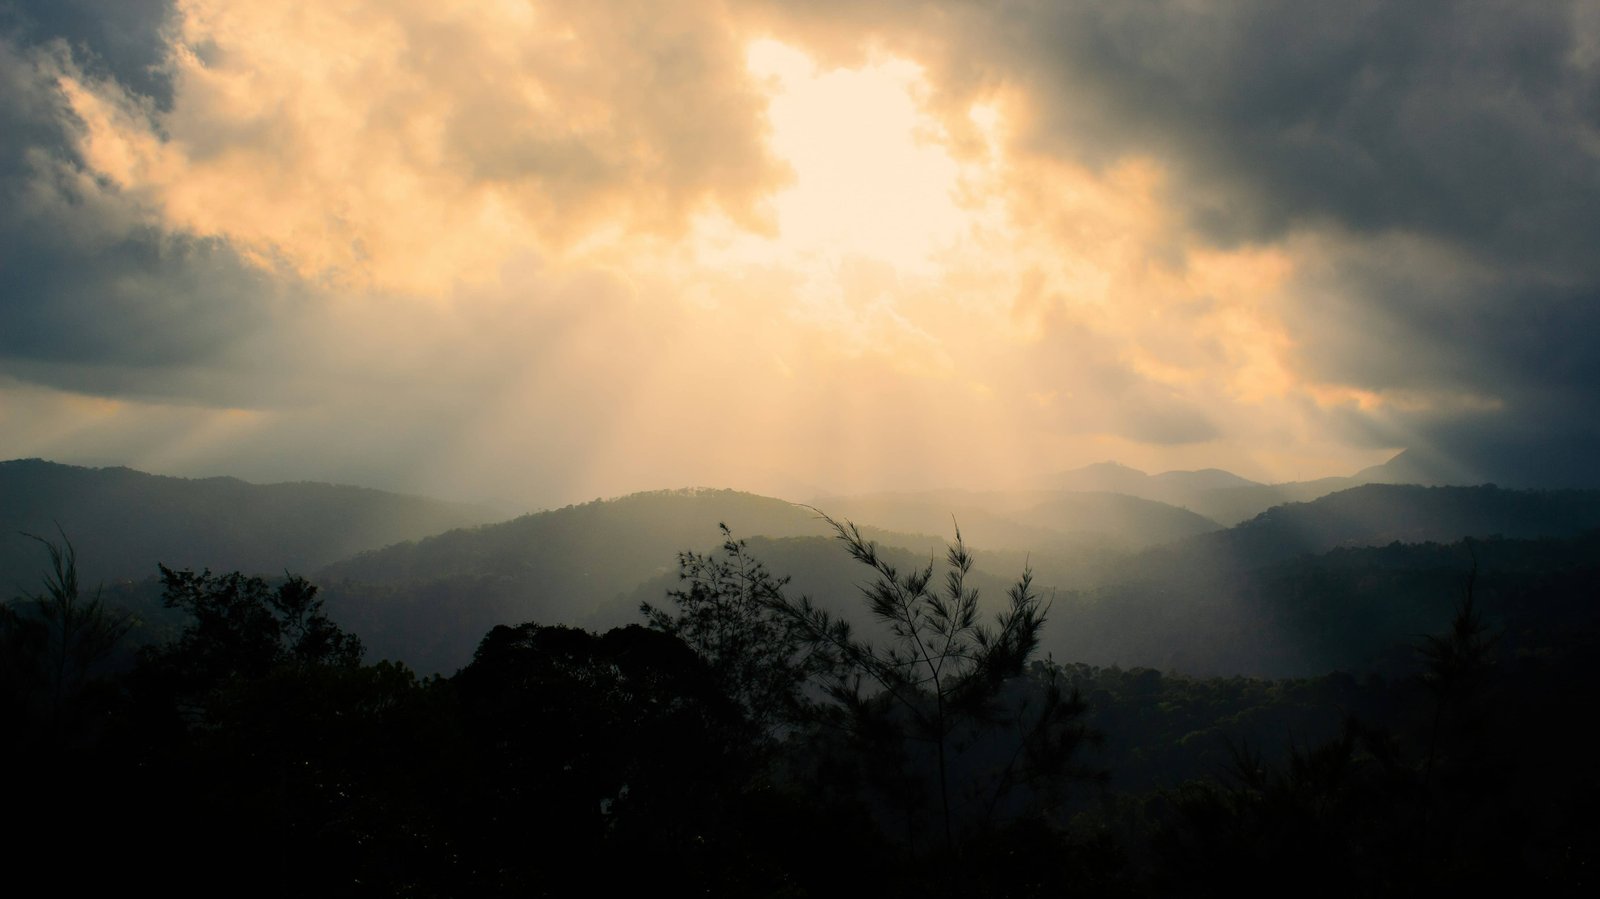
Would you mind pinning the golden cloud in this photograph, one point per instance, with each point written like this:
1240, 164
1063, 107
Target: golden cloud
408, 146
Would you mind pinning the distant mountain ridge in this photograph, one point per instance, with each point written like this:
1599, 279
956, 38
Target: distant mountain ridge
1133, 581
1114, 477
589, 533
1230, 499
1191, 490
1024, 520
123, 522
431, 600
1380, 514
1203, 479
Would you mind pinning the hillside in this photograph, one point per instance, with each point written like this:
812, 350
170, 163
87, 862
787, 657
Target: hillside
1379, 514
819, 568
1026, 520
1220, 602
1229, 499
1190, 490
1252, 599
606, 542
123, 521
430, 601
1345, 581
560, 565
1355, 609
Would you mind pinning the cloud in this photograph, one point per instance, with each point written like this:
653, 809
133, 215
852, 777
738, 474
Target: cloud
247, 205
408, 146
119, 40
590, 247
1380, 116
97, 297
1431, 170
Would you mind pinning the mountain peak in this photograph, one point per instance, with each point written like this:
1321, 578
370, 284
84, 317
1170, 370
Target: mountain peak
1118, 478
1107, 476
1415, 466
1203, 479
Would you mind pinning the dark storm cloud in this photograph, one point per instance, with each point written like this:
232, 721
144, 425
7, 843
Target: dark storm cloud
1432, 168
126, 318
119, 39
1474, 122
92, 297
1402, 323
1510, 361
1469, 128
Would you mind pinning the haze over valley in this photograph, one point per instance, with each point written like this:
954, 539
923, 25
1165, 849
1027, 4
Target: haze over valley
1134, 582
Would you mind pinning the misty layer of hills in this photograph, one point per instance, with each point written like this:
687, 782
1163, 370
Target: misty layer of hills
1135, 576
123, 521
1388, 734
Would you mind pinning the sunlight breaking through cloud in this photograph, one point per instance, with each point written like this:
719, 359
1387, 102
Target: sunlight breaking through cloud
582, 249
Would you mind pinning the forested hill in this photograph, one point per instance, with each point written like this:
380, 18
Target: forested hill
1229, 499
1377, 515
430, 601
1026, 520
1354, 609
123, 522
1209, 602
616, 542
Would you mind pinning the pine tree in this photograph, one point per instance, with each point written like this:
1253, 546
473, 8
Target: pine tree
944, 684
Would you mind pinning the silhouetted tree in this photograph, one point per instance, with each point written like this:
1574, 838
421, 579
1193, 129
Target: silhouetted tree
51, 642
943, 679
1421, 801
726, 614
599, 761
944, 682
1457, 661
264, 721
243, 627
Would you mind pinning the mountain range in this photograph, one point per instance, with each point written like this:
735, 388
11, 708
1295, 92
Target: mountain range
122, 522
1135, 580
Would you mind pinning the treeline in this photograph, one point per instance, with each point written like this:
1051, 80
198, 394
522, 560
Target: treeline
743, 741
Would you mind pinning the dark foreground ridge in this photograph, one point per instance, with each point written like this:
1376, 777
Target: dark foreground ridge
754, 742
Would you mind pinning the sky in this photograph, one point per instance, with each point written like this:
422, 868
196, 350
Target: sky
540, 252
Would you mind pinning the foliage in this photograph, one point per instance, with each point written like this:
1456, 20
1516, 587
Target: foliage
245, 627
597, 754
277, 751
759, 659
944, 681
1420, 799
52, 642
749, 737
940, 716
1457, 660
